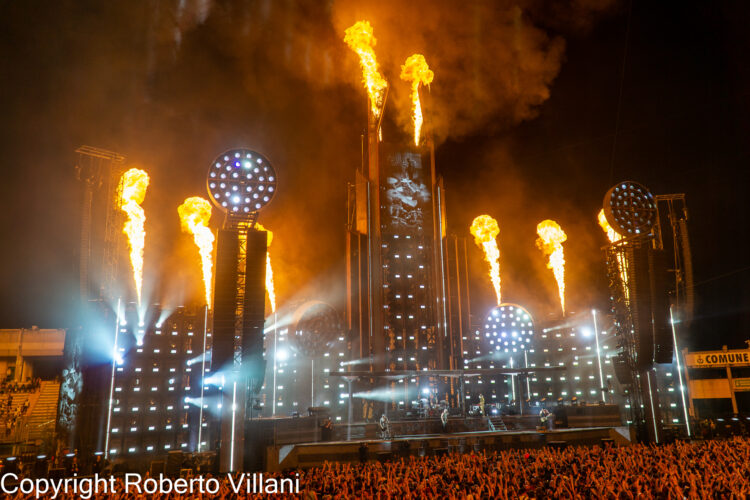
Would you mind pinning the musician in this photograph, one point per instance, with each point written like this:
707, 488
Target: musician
547, 418
385, 427
543, 416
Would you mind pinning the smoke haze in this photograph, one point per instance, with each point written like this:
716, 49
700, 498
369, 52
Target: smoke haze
173, 84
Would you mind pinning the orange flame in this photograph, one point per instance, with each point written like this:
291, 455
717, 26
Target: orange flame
132, 191
269, 270
611, 233
416, 71
195, 214
485, 231
360, 39
551, 238
613, 237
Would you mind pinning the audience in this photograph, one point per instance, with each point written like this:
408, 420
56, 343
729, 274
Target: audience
704, 469
13, 410
12, 386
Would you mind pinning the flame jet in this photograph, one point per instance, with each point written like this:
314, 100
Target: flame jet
269, 270
132, 191
416, 71
551, 238
485, 230
195, 213
360, 39
614, 237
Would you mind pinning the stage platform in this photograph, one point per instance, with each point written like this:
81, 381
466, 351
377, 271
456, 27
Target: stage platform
305, 455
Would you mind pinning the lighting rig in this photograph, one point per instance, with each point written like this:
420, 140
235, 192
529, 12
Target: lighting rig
305, 349
505, 339
638, 273
155, 404
240, 183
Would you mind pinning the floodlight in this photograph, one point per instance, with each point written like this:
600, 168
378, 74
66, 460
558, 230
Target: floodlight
509, 328
241, 181
630, 209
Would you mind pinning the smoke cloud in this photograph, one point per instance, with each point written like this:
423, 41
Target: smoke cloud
172, 84
493, 62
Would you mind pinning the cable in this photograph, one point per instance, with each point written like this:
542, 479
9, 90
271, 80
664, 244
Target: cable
619, 98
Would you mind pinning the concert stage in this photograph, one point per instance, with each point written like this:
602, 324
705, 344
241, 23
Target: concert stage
284, 442
305, 455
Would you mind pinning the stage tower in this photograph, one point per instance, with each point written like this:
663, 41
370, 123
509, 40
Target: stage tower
240, 183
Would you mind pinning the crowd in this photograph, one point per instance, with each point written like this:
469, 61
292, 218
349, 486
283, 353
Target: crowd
13, 409
703, 469
708, 469
11, 415
11, 386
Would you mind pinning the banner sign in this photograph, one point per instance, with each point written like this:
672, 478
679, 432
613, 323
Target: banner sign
718, 359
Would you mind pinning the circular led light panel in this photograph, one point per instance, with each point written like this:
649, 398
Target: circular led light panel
630, 208
508, 328
241, 181
316, 328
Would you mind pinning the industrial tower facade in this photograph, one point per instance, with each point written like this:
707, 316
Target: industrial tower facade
406, 279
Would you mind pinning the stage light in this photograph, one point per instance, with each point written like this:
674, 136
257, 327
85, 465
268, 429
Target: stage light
509, 327
630, 209
282, 354
241, 171
215, 379
586, 332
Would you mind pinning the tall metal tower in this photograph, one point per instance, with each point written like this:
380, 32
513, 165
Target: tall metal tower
99, 170
240, 182
638, 269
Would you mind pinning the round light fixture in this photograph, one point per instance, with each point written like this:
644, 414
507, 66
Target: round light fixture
316, 328
241, 181
630, 208
508, 328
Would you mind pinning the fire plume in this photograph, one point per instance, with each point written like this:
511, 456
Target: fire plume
416, 71
269, 270
551, 238
614, 237
360, 39
611, 233
195, 213
132, 191
485, 230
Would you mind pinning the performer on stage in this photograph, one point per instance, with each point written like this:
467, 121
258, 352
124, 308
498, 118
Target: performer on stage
326, 430
543, 416
444, 419
481, 404
547, 418
385, 427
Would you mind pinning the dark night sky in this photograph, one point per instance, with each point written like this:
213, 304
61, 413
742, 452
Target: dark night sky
526, 132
